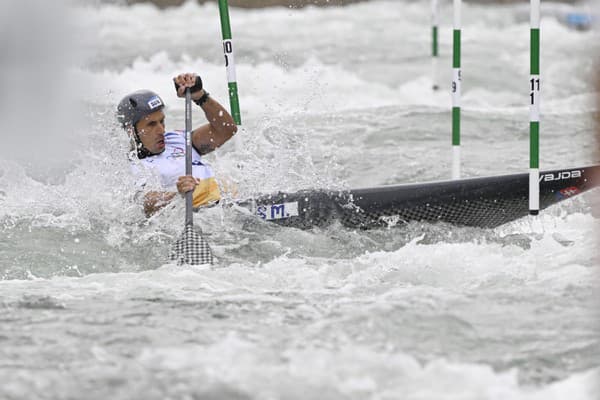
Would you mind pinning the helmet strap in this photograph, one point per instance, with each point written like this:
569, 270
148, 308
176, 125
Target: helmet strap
138, 146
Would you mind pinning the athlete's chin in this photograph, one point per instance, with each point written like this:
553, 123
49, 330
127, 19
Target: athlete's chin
157, 149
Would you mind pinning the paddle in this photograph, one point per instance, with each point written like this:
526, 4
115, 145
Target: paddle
191, 248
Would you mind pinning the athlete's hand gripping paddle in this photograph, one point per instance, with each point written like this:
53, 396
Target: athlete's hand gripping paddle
191, 248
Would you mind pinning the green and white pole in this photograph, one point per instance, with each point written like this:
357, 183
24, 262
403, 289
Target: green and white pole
534, 111
434, 43
229, 61
456, 83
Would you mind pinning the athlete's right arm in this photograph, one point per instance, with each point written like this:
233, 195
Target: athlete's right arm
154, 201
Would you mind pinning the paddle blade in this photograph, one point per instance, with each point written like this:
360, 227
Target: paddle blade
191, 248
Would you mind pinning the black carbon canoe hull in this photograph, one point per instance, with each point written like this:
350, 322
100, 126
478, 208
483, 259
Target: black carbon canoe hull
485, 202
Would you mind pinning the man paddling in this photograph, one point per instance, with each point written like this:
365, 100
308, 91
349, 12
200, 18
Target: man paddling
154, 151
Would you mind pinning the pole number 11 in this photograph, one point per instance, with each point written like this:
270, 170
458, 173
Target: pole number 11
535, 87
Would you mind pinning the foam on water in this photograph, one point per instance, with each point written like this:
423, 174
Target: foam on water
438, 259
317, 374
332, 341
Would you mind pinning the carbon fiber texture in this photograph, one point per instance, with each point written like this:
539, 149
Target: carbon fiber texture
485, 202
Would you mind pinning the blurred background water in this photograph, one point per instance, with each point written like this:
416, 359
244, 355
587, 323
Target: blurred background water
334, 97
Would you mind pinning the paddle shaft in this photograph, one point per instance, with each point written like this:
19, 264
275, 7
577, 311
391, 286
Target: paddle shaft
189, 216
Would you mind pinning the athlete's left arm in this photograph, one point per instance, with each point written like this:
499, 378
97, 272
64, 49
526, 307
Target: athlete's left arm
220, 127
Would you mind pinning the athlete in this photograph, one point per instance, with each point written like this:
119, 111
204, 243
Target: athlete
156, 152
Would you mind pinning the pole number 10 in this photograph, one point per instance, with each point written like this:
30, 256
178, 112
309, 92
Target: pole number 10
227, 49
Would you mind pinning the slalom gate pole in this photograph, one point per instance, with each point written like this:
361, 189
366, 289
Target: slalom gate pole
534, 110
229, 61
434, 43
456, 83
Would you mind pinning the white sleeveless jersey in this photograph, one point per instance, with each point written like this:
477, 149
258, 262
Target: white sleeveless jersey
169, 165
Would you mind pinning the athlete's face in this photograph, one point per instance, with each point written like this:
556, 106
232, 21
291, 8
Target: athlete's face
151, 130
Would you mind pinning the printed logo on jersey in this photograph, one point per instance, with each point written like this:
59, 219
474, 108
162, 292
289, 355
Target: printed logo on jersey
177, 152
154, 102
